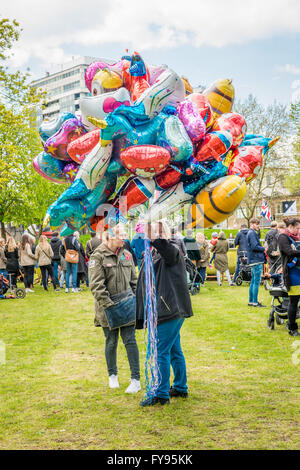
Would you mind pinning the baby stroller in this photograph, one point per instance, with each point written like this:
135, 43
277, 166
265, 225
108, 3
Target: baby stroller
5, 285
280, 301
244, 274
193, 277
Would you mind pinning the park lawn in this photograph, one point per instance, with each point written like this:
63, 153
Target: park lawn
244, 389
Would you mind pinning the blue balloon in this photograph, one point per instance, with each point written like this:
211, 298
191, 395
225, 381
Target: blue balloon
49, 128
173, 137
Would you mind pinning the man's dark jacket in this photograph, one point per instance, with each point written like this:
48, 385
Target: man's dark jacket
255, 251
192, 249
241, 240
288, 251
55, 243
172, 294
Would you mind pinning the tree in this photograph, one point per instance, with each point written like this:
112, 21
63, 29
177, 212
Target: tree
271, 121
19, 139
38, 196
293, 179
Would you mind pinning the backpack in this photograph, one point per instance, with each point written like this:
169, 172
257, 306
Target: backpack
272, 242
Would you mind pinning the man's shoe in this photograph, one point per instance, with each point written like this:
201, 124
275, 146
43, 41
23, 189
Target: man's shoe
154, 401
66, 290
250, 304
176, 393
113, 381
294, 333
134, 387
74, 290
259, 305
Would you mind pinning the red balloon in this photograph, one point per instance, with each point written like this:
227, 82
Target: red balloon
246, 162
79, 148
204, 108
170, 176
235, 124
214, 145
145, 160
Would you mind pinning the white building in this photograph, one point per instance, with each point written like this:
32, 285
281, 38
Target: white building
64, 87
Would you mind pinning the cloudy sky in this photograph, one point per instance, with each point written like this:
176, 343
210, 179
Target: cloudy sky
257, 44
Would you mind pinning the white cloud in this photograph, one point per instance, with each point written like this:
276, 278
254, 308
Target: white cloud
289, 68
48, 27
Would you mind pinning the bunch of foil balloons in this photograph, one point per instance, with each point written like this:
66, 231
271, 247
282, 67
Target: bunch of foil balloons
145, 123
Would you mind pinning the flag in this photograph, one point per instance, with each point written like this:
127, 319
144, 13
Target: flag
265, 211
289, 207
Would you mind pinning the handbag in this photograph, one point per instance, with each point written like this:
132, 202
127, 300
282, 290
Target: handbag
122, 313
71, 256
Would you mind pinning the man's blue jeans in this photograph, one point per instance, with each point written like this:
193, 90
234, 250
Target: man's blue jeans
55, 270
71, 268
169, 354
256, 272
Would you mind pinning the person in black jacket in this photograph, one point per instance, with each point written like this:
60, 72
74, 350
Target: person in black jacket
11, 254
288, 243
55, 244
240, 241
191, 246
271, 244
173, 306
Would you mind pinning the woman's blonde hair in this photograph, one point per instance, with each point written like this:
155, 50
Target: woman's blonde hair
43, 241
11, 244
200, 237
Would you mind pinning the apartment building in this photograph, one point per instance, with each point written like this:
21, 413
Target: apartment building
65, 86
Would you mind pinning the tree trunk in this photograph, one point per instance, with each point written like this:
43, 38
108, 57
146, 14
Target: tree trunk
3, 233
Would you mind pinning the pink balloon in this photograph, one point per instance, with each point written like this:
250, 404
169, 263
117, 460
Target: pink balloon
192, 120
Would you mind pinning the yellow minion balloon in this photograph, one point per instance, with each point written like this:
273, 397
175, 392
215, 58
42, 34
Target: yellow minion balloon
220, 95
216, 202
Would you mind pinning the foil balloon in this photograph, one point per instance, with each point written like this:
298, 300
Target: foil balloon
216, 202
169, 177
204, 108
246, 162
48, 128
192, 120
145, 160
79, 148
50, 168
173, 136
220, 94
136, 76
105, 81
188, 87
94, 67
214, 145
233, 123
168, 89
57, 144
100, 105
70, 171
265, 142
77, 211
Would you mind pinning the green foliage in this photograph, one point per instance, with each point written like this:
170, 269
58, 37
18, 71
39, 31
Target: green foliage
19, 138
243, 385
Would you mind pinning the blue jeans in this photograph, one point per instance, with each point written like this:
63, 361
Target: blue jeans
55, 269
71, 268
256, 272
237, 269
202, 272
169, 353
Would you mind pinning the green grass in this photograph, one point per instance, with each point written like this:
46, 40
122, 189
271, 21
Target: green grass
244, 388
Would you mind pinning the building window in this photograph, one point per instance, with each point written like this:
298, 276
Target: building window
72, 85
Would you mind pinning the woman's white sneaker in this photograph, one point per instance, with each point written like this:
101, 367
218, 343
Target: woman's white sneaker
113, 381
134, 387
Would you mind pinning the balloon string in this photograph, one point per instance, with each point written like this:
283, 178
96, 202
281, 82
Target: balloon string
152, 374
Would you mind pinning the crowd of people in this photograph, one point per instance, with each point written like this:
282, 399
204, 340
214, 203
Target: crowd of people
62, 261
109, 267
